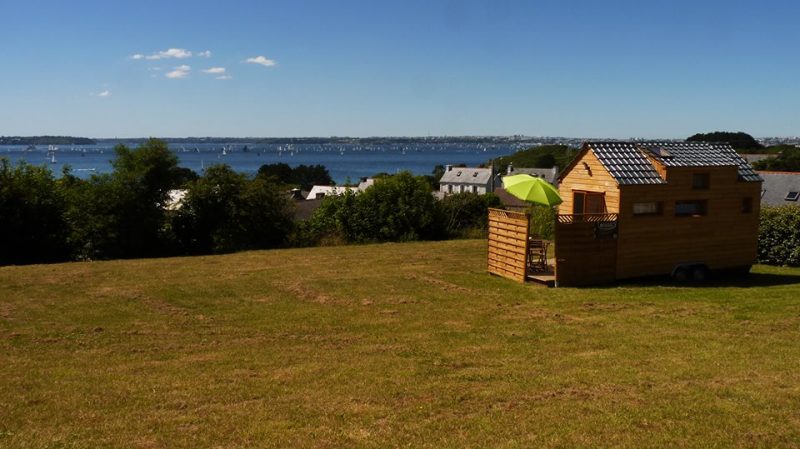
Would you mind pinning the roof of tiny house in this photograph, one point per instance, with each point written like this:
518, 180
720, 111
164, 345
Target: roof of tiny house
632, 162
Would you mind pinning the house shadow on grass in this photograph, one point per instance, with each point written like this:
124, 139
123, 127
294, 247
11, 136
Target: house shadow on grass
750, 280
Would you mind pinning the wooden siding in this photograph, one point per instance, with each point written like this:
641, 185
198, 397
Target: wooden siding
581, 257
725, 237
595, 178
508, 244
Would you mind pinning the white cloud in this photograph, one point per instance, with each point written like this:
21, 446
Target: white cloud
182, 71
215, 70
178, 53
105, 93
137, 56
261, 60
205, 54
224, 77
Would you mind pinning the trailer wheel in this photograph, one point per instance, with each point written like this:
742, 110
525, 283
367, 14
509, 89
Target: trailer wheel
700, 273
681, 274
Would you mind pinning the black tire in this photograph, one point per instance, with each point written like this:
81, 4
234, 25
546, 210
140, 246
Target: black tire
681, 274
700, 273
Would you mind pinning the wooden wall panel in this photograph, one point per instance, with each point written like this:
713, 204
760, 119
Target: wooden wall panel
725, 237
508, 244
595, 178
582, 258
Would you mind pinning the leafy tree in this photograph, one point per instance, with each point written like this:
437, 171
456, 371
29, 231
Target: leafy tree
122, 214
545, 156
787, 160
303, 176
397, 208
740, 141
306, 176
779, 236
462, 212
224, 211
279, 172
32, 207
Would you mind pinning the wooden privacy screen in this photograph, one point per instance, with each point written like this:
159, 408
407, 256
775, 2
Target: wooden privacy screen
508, 244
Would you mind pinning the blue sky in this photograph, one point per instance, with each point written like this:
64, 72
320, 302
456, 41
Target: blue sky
379, 68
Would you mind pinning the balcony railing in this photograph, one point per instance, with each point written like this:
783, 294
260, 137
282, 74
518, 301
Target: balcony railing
586, 218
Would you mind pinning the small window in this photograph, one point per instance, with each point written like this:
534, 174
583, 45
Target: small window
792, 196
651, 208
450, 188
458, 174
475, 174
691, 208
747, 205
474, 189
700, 181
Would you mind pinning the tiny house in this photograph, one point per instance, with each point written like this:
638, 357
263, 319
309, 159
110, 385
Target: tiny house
634, 209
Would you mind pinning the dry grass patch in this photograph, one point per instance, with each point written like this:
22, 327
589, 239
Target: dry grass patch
389, 345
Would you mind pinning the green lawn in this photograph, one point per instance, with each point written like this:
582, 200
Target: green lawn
396, 345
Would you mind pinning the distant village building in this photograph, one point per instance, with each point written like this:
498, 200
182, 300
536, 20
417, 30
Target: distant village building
466, 180
780, 188
319, 192
548, 174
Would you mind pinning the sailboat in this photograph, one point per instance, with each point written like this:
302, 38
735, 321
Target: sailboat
51, 153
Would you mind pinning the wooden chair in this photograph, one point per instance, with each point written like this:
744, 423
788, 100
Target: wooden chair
537, 254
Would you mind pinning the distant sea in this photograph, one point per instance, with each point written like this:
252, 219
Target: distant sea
343, 161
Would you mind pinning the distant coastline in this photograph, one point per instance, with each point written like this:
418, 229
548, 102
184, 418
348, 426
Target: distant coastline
46, 140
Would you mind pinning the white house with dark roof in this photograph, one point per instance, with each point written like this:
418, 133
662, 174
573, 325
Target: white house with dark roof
466, 180
780, 188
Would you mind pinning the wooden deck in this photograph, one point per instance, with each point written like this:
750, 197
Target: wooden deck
547, 277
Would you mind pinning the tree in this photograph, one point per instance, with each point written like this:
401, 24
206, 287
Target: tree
545, 156
302, 176
279, 172
224, 211
32, 208
740, 141
787, 160
463, 212
397, 208
122, 214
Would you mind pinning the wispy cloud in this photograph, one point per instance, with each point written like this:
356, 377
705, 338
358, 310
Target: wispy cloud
224, 77
205, 54
215, 70
105, 93
177, 53
261, 60
181, 71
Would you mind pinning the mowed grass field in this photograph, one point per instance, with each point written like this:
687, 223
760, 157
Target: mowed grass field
395, 345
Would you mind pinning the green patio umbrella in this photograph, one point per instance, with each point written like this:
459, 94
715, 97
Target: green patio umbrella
532, 189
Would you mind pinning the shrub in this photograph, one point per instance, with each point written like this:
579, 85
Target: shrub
396, 208
466, 214
542, 221
779, 236
32, 208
